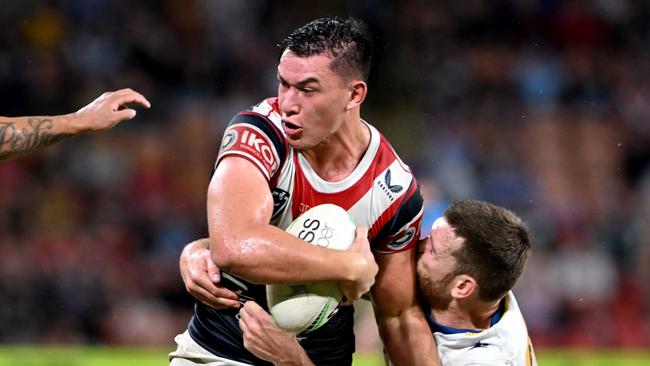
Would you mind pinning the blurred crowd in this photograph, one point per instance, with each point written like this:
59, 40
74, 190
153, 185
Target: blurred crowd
541, 106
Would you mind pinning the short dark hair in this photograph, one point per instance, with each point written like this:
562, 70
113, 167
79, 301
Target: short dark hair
495, 248
348, 42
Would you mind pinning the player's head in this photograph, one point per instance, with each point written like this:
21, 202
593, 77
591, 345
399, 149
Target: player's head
322, 76
476, 249
348, 43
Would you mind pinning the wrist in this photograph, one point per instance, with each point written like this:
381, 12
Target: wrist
72, 123
294, 356
355, 264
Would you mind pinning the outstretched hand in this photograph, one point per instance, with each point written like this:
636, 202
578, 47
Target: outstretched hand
109, 109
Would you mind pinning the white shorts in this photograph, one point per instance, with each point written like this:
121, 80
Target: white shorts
190, 353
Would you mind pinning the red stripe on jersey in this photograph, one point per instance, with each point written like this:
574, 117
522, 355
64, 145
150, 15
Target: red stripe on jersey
306, 196
390, 213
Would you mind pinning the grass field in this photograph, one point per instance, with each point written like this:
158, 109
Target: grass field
106, 356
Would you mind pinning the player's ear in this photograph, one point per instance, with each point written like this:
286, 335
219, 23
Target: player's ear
358, 91
463, 286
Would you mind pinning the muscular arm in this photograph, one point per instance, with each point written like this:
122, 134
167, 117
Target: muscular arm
402, 325
243, 242
22, 135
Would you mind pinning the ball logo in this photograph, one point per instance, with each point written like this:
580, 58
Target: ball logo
326, 233
402, 241
316, 232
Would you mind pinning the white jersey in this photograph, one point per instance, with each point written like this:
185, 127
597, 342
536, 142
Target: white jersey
505, 343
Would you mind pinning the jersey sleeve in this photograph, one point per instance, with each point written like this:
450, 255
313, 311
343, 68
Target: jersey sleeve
403, 230
253, 137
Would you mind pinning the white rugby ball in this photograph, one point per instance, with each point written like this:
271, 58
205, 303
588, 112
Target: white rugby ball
302, 308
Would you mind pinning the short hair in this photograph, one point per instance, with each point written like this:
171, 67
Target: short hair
348, 42
495, 248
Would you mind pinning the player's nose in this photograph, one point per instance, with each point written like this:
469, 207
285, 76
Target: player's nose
289, 105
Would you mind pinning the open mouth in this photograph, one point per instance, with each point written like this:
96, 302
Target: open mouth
291, 129
290, 125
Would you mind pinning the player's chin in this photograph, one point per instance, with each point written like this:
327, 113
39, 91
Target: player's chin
299, 143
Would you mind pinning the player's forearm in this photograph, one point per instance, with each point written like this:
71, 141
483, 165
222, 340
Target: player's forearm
192, 248
408, 339
269, 255
22, 135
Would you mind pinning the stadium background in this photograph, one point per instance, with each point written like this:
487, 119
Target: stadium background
541, 106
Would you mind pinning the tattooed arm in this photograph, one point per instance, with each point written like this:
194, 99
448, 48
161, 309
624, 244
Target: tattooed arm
22, 135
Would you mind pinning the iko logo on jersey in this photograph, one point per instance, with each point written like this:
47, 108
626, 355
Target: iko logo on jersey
250, 141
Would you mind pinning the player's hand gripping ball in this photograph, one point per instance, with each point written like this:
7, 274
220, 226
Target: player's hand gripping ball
303, 308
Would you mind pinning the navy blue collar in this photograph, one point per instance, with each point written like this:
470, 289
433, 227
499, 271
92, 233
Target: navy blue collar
436, 327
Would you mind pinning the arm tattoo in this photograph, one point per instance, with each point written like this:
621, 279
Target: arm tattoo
15, 140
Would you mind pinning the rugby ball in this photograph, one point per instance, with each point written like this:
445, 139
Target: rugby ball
302, 308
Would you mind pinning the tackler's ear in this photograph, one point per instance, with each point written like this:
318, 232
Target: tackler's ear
463, 286
358, 91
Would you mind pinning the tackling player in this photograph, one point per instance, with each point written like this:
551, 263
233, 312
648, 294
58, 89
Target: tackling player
22, 135
466, 270
307, 147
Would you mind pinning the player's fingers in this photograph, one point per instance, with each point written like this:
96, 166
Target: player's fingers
125, 114
223, 303
224, 293
204, 283
124, 96
213, 270
362, 232
246, 317
243, 326
213, 301
207, 298
254, 309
